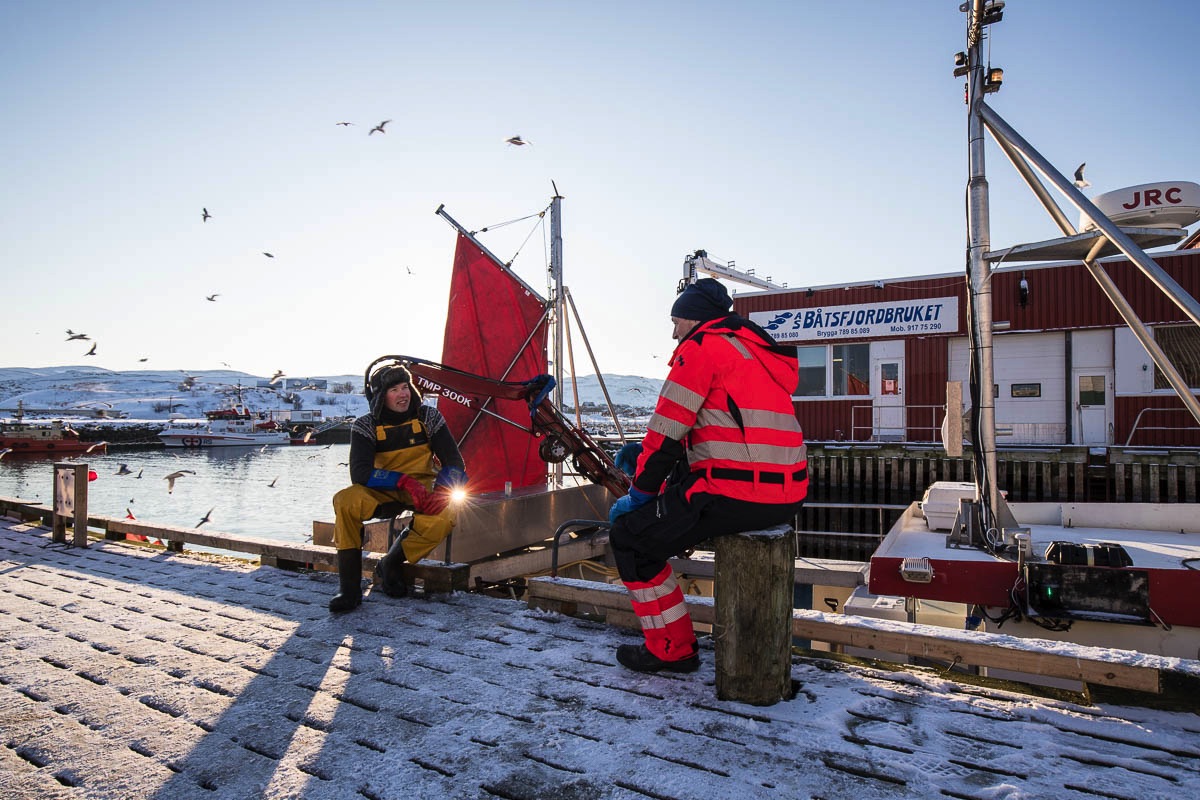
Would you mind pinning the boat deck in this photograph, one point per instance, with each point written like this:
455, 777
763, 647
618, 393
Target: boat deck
132, 672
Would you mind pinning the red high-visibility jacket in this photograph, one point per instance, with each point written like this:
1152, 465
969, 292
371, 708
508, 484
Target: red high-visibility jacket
726, 407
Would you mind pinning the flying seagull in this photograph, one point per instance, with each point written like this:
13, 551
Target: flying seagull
517, 140
76, 336
205, 519
143, 359
140, 471
170, 479
124, 470
212, 298
268, 255
91, 352
1080, 181
344, 124
96, 445
205, 216
379, 128
5, 451
272, 483
278, 374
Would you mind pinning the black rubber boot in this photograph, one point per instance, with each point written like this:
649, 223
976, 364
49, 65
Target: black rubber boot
389, 571
640, 659
350, 579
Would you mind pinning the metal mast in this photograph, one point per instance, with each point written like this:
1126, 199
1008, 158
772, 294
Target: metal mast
978, 269
557, 303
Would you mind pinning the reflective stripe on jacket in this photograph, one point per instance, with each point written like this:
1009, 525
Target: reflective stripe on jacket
726, 406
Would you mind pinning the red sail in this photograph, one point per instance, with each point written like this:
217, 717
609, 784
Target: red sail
495, 327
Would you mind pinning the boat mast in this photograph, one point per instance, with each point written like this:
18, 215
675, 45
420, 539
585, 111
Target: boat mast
979, 270
557, 303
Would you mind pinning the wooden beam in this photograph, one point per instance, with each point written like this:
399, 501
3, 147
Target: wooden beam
917, 641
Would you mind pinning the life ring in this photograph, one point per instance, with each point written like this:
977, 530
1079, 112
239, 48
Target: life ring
190, 441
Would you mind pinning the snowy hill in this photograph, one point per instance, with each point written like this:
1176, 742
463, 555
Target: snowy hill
156, 394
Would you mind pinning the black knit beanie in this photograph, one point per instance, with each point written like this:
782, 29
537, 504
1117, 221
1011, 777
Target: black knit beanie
703, 300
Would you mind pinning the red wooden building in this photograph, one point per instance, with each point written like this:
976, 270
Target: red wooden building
875, 357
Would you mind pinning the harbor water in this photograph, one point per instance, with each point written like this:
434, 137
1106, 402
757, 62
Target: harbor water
274, 492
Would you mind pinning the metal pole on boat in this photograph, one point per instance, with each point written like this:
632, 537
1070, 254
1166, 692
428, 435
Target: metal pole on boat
556, 271
1144, 335
979, 273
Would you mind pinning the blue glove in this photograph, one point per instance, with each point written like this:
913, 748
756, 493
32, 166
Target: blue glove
627, 458
450, 478
384, 479
634, 500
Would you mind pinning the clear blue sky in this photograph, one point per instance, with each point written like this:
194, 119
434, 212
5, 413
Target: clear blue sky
817, 142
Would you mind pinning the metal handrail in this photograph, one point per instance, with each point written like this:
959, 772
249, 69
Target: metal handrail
601, 524
934, 408
1137, 420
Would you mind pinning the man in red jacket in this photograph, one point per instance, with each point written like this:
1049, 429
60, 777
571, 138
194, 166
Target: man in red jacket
723, 453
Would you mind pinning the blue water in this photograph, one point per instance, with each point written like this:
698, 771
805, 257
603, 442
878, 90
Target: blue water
233, 482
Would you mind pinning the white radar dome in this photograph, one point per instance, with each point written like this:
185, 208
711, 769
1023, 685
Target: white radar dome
1171, 204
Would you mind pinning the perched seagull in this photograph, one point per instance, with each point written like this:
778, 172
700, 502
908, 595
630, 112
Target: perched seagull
97, 444
212, 298
205, 216
379, 128
74, 336
91, 352
1080, 181
170, 479
205, 519
268, 255
124, 470
278, 374
272, 483
517, 140
344, 124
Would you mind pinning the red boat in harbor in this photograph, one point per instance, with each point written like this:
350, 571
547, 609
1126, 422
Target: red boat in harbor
21, 438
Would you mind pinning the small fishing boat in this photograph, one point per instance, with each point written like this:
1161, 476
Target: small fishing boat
234, 426
21, 438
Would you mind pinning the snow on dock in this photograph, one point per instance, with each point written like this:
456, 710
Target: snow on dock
130, 672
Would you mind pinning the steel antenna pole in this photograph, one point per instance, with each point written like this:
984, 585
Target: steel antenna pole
978, 243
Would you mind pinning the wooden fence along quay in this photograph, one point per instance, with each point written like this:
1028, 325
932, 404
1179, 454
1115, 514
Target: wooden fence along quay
1090, 666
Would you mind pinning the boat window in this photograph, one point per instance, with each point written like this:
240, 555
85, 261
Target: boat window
1181, 343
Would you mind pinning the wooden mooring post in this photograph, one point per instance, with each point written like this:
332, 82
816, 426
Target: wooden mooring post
70, 503
752, 587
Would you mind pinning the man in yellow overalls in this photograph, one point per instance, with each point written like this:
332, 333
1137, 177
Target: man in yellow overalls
400, 452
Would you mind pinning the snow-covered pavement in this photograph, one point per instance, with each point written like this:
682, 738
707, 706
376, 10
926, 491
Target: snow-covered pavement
126, 672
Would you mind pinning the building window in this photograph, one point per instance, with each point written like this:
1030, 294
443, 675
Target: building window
1026, 390
851, 369
1181, 344
812, 371
1091, 390
840, 370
